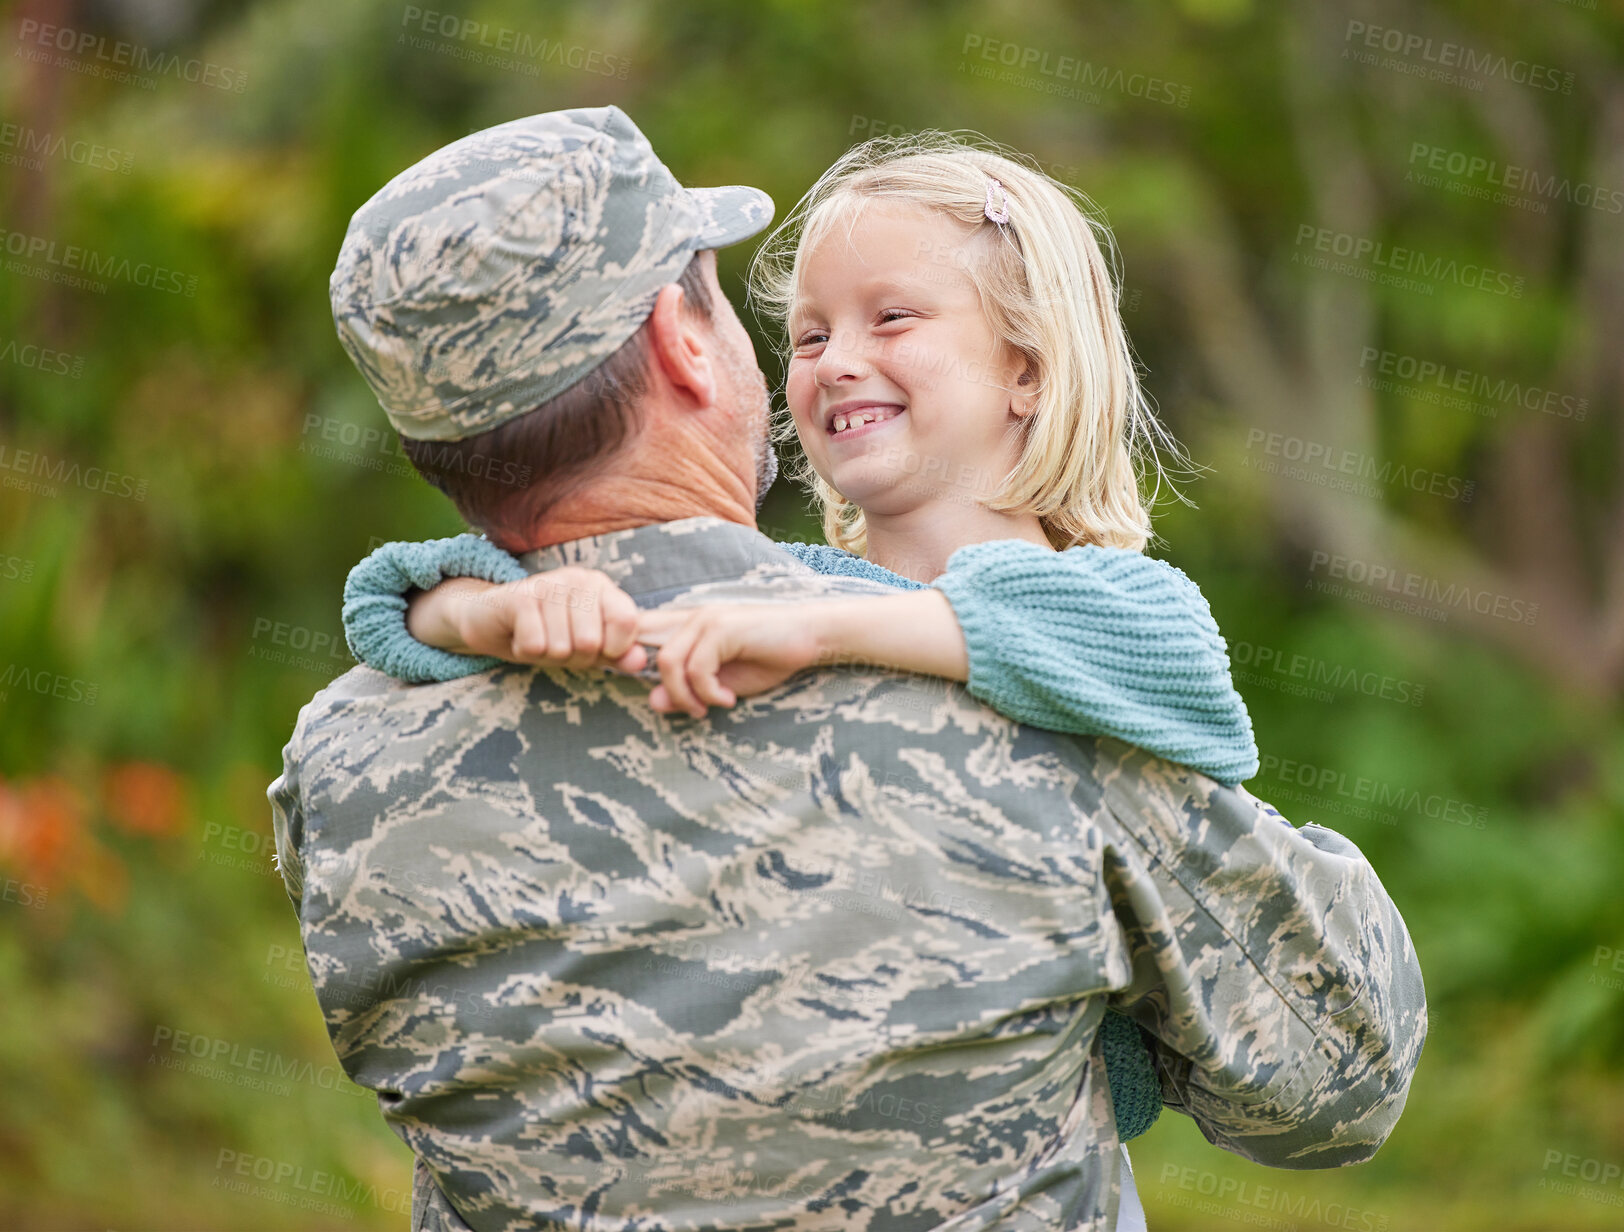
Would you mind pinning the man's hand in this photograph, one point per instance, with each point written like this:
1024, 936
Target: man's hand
568, 617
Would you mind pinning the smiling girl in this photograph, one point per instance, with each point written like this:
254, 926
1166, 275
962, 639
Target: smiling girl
970, 416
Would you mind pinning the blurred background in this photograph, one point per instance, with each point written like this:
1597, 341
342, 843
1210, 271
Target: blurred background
1373, 263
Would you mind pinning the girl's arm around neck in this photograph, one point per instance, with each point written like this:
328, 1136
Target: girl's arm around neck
915, 631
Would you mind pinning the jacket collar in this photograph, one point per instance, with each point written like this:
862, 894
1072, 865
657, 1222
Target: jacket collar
667, 556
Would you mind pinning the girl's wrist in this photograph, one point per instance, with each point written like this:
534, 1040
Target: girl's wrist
915, 632
833, 624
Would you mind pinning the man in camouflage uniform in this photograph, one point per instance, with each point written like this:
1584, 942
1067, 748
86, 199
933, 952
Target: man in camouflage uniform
834, 958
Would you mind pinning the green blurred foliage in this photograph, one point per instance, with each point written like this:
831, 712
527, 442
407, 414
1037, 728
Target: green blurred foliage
150, 632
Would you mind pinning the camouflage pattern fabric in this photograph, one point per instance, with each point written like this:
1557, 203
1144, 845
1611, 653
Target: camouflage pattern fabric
835, 958
504, 267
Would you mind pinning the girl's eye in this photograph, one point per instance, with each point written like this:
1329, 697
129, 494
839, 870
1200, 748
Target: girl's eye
893, 314
812, 337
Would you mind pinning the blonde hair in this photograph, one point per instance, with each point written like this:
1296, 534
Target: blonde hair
1047, 290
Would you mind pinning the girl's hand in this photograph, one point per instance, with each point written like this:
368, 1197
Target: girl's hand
716, 653
568, 617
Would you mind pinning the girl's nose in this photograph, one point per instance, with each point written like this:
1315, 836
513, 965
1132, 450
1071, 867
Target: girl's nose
842, 358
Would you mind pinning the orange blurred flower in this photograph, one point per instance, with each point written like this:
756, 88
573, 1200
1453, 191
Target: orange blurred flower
143, 797
45, 837
42, 822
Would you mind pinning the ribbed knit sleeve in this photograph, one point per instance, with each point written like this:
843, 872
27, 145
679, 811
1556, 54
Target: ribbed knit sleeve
1101, 641
375, 604
841, 563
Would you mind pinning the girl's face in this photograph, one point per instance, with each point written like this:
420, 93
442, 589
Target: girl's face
887, 324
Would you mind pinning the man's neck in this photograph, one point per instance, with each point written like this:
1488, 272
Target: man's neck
639, 494
917, 544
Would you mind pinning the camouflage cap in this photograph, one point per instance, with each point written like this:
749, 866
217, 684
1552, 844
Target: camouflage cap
501, 269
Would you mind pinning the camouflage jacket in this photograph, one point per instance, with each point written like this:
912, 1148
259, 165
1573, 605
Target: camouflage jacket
834, 958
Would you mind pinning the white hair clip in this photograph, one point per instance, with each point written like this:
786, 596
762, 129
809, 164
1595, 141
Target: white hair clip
1000, 215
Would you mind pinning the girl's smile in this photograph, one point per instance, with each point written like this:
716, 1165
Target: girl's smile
856, 418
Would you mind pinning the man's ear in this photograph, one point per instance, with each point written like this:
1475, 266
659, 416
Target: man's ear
680, 348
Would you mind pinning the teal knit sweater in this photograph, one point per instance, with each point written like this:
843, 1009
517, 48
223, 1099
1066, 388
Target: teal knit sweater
1092, 640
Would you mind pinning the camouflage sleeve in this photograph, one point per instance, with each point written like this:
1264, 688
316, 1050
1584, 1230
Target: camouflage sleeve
1269, 963
287, 820
431, 1209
